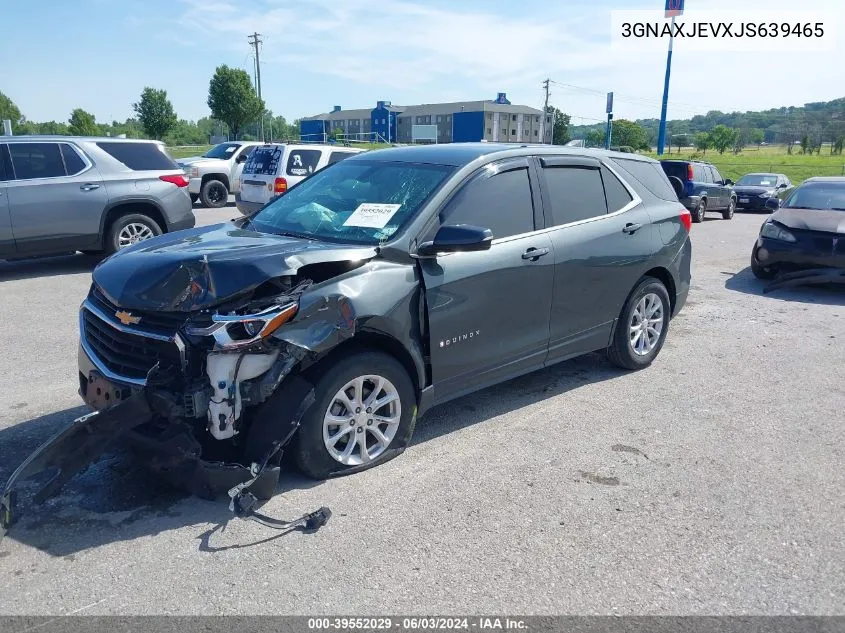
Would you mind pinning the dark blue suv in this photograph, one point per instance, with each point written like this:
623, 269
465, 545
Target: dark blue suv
704, 189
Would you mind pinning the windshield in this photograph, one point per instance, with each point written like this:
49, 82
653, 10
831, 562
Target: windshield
817, 195
758, 180
363, 202
224, 150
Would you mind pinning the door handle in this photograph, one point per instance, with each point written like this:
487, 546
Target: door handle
630, 228
535, 253
89, 187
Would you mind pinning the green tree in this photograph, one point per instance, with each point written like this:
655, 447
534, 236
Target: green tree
82, 123
8, 110
232, 99
560, 126
595, 138
741, 139
629, 133
805, 144
756, 136
838, 145
702, 142
155, 112
722, 138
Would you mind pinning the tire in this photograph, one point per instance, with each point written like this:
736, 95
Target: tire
728, 213
621, 351
120, 230
194, 197
700, 210
311, 452
214, 194
760, 271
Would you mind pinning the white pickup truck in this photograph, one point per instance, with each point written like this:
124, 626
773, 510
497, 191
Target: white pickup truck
215, 174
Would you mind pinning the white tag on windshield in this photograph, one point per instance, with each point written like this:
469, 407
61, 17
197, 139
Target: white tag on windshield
370, 215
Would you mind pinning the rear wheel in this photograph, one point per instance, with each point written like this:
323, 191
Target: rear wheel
363, 415
700, 210
728, 213
642, 326
130, 229
760, 271
214, 194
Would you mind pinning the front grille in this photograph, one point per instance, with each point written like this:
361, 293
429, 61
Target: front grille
166, 323
127, 354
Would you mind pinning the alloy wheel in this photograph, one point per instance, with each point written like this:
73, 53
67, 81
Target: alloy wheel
133, 233
646, 324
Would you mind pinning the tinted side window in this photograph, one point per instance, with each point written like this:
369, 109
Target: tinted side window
615, 192
717, 177
652, 176
699, 174
501, 203
36, 160
575, 194
73, 163
264, 161
5, 172
303, 162
336, 157
139, 156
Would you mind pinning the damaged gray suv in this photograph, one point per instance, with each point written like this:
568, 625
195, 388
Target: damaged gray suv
383, 285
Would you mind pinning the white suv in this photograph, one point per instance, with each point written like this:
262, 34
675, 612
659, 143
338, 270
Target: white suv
215, 174
272, 169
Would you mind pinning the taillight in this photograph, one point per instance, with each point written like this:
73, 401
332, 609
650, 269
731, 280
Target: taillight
686, 219
690, 172
180, 180
280, 185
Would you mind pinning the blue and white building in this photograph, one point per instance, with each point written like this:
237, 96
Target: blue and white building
496, 120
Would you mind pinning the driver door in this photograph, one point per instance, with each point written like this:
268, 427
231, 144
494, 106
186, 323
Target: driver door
489, 311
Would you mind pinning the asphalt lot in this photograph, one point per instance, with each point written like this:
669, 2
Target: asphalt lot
710, 483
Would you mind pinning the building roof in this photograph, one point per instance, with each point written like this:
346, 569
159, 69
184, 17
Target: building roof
488, 105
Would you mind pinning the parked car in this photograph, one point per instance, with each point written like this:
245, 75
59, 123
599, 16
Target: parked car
393, 281
273, 168
704, 189
753, 190
63, 194
216, 174
806, 231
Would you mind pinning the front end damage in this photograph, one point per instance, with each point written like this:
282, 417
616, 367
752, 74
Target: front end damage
223, 397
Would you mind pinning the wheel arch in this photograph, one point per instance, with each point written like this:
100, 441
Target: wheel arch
224, 178
665, 277
126, 207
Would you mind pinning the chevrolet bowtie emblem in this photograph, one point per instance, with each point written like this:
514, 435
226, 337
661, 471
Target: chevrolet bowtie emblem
127, 318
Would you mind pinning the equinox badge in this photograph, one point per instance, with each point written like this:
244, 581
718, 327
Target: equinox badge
127, 318
461, 337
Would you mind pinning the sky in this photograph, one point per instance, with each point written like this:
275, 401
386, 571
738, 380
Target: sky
100, 54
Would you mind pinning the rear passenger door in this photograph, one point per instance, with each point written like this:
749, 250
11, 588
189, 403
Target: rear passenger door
488, 311
56, 199
602, 237
7, 239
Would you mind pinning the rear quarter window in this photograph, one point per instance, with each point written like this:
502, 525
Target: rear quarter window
264, 161
653, 176
303, 162
139, 156
678, 170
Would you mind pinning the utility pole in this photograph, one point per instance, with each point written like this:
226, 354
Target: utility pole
545, 114
255, 40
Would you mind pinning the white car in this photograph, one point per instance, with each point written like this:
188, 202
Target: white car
273, 168
215, 174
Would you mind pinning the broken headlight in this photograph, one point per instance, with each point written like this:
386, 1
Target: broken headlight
235, 331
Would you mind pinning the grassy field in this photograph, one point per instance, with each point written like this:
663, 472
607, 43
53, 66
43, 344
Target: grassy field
797, 167
199, 150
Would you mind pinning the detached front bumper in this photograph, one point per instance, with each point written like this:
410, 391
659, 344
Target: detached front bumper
800, 255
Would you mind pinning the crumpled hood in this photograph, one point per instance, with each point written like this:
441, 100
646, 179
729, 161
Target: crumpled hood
811, 220
202, 267
749, 190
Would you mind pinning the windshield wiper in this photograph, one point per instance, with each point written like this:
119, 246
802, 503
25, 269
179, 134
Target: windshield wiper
301, 236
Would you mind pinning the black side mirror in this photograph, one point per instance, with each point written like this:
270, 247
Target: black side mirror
729, 182
678, 186
241, 159
782, 185
773, 204
460, 238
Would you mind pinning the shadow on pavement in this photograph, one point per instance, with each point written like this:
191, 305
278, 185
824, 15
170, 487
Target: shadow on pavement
117, 499
48, 266
744, 281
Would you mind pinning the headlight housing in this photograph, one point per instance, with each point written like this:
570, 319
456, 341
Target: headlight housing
767, 194
776, 232
236, 331
193, 172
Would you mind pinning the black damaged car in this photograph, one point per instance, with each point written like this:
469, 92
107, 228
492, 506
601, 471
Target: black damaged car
804, 239
383, 285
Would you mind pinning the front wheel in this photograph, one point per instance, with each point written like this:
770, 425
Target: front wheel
214, 194
363, 415
642, 326
728, 213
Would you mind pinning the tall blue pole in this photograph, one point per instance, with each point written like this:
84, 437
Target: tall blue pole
661, 136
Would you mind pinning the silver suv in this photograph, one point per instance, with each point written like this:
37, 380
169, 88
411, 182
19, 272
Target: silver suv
62, 194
